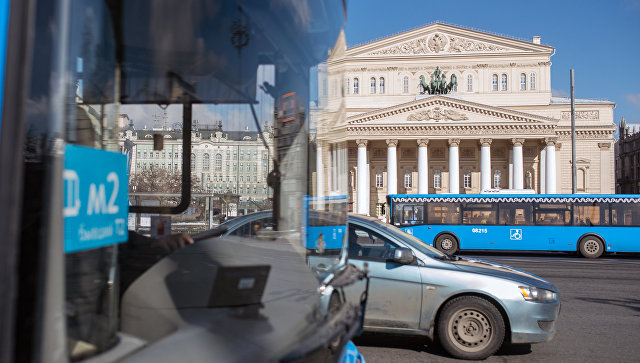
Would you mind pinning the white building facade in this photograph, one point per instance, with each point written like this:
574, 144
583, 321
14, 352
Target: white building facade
498, 128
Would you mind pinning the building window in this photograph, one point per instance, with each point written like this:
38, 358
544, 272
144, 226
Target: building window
466, 179
469, 83
532, 81
205, 162
407, 179
356, 86
379, 183
523, 82
381, 84
218, 161
379, 209
347, 85
193, 162
437, 179
455, 86
503, 82
405, 84
373, 85
497, 179
494, 82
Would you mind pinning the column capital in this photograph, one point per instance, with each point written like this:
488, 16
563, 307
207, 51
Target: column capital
550, 141
423, 142
362, 143
485, 142
454, 142
604, 145
517, 142
392, 142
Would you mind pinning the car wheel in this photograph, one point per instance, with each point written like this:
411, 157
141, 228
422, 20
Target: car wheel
591, 247
470, 327
447, 244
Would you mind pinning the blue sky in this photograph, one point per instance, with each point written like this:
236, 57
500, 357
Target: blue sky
600, 40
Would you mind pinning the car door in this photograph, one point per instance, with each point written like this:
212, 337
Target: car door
394, 289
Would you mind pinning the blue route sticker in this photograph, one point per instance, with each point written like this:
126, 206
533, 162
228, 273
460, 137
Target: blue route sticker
95, 198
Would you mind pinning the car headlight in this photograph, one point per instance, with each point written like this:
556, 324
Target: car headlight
536, 294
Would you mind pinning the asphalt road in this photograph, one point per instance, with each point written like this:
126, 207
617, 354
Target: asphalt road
599, 319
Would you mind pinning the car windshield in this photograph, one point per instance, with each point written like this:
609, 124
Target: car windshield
411, 240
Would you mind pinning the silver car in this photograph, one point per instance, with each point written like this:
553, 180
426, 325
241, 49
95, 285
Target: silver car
471, 306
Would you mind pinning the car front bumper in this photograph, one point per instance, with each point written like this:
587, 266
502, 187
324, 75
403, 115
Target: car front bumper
533, 322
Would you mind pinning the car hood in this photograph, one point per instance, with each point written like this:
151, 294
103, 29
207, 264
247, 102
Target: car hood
503, 271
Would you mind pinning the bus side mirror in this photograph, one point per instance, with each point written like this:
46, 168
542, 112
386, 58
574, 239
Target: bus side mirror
403, 256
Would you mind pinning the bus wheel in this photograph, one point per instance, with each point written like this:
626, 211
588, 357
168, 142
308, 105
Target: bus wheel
470, 327
447, 244
591, 247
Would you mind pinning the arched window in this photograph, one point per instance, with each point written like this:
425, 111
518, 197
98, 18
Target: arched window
218, 162
497, 179
466, 179
381, 84
347, 85
205, 162
523, 82
373, 85
437, 179
193, 161
356, 85
532, 81
469, 83
455, 86
405, 84
503, 82
494, 82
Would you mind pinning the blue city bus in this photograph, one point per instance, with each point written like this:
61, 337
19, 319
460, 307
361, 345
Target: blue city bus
588, 224
324, 224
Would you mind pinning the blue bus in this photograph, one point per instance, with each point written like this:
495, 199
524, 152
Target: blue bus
588, 224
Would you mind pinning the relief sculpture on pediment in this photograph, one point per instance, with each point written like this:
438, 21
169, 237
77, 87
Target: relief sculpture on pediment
418, 46
459, 45
437, 114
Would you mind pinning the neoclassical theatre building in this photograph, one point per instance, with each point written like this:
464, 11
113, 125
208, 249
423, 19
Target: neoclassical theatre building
411, 129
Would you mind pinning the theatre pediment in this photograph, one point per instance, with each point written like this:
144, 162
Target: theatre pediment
439, 109
443, 39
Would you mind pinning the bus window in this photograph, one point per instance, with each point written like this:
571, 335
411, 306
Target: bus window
479, 213
515, 214
553, 214
625, 214
443, 213
397, 214
412, 214
590, 215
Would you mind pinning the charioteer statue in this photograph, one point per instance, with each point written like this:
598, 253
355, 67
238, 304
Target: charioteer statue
438, 84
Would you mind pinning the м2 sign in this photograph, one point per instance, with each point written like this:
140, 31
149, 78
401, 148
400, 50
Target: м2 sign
96, 201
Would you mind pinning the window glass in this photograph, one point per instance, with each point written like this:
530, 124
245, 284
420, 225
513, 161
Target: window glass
523, 82
625, 214
365, 243
494, 82
443, 213
412, 214
479, 213
437, 179
504, 82
532, 81
556, 214
381, 84
405, 84
590, 214
407, 179
373, 85
356, 86
515, 214
469, 83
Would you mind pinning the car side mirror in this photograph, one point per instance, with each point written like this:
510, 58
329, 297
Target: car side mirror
403, 256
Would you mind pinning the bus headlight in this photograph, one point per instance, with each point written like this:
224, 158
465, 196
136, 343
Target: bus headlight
536, 294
